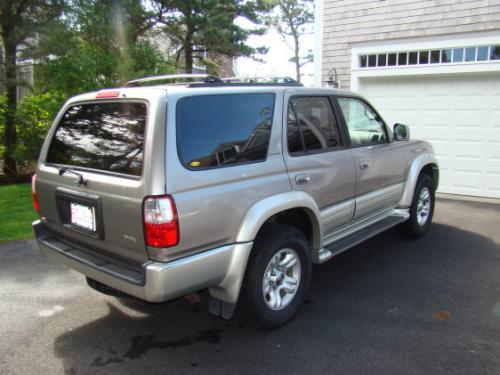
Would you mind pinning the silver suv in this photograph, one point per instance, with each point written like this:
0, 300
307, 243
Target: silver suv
237, 187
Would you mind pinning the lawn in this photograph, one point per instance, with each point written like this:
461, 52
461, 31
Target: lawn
16, 212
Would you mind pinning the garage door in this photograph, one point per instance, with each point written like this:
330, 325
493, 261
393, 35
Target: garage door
459, 115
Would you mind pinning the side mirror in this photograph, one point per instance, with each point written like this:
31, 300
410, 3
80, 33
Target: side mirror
401, 132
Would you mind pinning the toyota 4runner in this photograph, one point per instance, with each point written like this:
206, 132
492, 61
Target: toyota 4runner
238, 187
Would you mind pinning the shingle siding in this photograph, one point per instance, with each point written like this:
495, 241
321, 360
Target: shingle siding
347, 22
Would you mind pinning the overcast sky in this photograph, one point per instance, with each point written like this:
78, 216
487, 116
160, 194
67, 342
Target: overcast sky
276, 62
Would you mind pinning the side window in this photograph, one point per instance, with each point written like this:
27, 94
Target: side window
364, 125
311, 125
220, 130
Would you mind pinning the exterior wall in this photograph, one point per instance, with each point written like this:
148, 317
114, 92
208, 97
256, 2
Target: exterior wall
349, 23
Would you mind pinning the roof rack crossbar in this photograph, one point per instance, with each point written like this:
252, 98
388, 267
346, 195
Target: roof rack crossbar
167, 77
205, 80
261, 79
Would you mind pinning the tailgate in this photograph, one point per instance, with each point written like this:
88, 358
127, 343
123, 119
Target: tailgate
96, 168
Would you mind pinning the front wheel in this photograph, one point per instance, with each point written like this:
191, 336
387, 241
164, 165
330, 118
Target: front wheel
278, 275
421, 210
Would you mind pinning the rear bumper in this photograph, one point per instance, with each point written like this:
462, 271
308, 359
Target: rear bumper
220, 269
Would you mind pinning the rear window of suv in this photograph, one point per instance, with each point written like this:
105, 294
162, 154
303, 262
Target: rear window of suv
103, 136
222, 130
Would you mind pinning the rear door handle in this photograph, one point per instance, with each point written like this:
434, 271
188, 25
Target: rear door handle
364, 164
302, 179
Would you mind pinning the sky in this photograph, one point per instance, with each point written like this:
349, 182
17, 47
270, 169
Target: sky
276, 61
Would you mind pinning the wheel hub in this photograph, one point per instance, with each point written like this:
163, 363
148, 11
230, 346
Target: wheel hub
423, 206
281, 279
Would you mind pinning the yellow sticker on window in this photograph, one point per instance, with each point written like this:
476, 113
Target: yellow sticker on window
195, 164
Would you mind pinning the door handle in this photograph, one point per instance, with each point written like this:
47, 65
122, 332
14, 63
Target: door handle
364, 164
302, 179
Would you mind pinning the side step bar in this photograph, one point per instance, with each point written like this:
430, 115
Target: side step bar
350, 240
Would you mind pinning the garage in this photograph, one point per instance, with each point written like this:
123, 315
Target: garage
458, 113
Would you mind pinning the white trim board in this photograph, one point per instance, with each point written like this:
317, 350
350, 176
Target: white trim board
435, 42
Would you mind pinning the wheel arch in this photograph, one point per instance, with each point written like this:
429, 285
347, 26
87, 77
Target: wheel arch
424, 163
281, 208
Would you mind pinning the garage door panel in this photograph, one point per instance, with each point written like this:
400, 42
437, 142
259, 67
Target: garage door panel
435, 117
436, 88
466, 180
495, 117
459, 115
493, 183
494, 150
472, 150
441, 147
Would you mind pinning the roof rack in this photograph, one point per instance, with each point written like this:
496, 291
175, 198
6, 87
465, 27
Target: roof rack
250, 81
206, 80
201, 78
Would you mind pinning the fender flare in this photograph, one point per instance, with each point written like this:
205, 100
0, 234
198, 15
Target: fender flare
261, 211
412, 176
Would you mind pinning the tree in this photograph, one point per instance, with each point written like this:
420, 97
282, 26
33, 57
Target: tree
294, 18
200, 26
19, 21
99, 44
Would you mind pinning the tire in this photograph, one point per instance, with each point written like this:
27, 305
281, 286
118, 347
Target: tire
421, 209
268, 290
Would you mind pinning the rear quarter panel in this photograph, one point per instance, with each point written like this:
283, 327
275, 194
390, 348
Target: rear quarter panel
211, 204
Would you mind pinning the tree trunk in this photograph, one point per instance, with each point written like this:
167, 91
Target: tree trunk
10, 134
188, 57
188, 50
296, 53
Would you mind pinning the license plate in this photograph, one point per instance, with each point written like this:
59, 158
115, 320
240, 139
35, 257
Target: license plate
83, 216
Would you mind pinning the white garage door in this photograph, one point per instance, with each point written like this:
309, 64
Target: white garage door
459, 115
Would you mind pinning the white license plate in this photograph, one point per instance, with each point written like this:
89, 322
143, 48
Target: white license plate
83, 216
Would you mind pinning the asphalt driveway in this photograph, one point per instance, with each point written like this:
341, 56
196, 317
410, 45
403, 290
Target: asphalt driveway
388, 306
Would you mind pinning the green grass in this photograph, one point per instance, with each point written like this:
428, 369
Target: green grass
16, 212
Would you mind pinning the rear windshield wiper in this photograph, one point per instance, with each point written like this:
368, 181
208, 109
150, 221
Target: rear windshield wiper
81, 180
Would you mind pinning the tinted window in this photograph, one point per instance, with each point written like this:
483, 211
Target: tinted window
402, 58
458, 55
382, 60
311, 124
372, 60
423, 57
435, 57
391, 59
412, 58
470, 54
219, 130
104, 136
446, 56
363, 124
495, 53
482, 53
362, 61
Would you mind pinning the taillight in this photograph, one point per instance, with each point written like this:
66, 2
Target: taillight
36, 206
161, 227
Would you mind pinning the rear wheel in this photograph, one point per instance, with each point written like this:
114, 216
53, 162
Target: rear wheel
278, 275
421, 210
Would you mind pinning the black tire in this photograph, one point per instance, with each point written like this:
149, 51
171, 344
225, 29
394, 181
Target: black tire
274, 239
415, 227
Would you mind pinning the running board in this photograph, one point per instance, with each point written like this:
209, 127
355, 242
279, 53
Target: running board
344, 243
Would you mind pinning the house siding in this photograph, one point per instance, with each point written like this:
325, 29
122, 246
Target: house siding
350, 22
